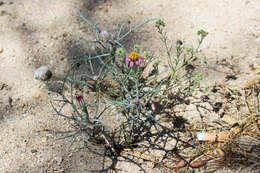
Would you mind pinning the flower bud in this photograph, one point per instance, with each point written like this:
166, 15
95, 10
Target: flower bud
105, 35
80, 100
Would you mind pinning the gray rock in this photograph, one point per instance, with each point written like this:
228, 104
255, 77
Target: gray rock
43, 73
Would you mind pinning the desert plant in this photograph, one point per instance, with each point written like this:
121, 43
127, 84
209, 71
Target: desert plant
130, 87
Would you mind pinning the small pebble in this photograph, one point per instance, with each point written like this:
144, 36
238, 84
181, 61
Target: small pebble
230, 76
217, 106
179, 43
130, 157
43, 73
56, 88
34, 151
58, 160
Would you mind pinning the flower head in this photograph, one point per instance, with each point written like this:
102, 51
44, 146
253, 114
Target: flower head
134, 58
120, 51
136, 100
80, 100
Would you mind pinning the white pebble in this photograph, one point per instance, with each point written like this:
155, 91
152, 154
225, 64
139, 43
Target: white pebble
43, 73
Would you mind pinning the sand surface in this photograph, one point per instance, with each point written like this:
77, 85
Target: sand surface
47, 32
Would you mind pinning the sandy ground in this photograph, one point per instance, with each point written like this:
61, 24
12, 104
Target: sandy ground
47, 32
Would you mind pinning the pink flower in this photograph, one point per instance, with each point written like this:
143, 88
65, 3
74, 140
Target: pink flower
80, 100
134, 58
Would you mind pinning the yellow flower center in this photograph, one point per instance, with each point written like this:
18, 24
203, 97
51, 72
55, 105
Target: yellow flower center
134, 56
